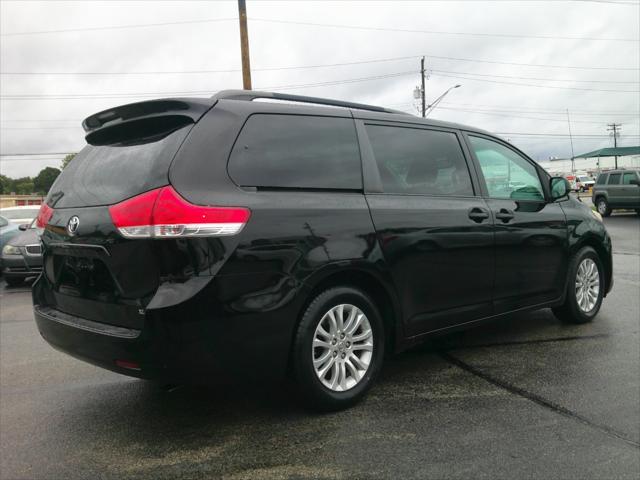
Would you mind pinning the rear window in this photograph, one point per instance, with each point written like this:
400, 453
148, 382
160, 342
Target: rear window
614, 179
104, 175
295, 151
602, 178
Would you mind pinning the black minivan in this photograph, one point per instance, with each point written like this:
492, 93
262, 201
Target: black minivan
254, 235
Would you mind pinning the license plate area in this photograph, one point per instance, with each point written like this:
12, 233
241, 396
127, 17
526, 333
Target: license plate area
85, 277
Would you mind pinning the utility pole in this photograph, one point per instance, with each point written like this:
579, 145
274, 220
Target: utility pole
424, 102
244, 45
615, 129
573, 160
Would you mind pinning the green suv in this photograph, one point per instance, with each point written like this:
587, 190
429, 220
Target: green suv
617, 189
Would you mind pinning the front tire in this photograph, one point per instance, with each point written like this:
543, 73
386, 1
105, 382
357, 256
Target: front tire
338, 349
585, 288
603, 207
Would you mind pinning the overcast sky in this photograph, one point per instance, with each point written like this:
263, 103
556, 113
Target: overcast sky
42, 113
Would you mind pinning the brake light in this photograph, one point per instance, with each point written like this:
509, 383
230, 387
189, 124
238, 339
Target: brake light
163, 213
44, 215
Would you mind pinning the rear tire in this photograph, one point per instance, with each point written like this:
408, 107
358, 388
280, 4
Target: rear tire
338, 349
603, 206
585, 288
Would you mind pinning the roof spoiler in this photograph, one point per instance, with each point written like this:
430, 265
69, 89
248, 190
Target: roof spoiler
142, 119
249, 95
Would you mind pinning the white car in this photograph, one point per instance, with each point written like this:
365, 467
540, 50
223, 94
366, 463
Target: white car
20, 215
585, 183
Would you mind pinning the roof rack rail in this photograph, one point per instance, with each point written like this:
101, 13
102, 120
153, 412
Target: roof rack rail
249, 95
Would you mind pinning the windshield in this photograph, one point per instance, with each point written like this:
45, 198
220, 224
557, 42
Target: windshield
13, 214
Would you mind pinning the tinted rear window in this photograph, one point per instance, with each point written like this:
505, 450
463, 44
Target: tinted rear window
104, 175
417, 161
614, 179
294, 151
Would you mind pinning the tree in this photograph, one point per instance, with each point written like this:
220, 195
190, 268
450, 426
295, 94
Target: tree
6, 185
43, 181
23, 186
67, 159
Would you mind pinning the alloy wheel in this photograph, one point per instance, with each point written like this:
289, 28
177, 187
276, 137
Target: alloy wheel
587, 285
602, 207
342, 347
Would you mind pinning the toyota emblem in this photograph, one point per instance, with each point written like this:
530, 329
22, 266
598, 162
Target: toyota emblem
72, 226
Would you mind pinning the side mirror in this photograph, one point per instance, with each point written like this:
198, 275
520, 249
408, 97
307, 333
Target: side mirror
560, 187
24, 227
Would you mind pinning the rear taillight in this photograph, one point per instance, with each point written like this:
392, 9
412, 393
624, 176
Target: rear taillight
163, 213
44, 215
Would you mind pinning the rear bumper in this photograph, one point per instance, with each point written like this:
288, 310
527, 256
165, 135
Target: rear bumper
99, 344
199, 341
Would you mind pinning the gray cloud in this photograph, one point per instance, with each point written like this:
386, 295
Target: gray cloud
53, 125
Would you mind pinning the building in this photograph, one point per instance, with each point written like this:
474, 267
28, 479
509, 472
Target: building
20, 200
596, 161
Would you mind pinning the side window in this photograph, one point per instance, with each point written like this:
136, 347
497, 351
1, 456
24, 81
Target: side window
508, 174
627, 177
602, 179
296, 151
417, 161
614, 179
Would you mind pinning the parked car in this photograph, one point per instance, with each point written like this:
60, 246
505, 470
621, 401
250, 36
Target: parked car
584, 183
201, 239
20, 215
7, 231
617, 189
22, 255
573, 182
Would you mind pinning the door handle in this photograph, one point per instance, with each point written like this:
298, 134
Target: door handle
504, 215
478, 215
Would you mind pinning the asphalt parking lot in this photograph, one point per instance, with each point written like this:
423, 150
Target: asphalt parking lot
526, 397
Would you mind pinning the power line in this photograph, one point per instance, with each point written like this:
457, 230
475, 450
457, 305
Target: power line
194, 92
524, 109
288, 87
565, 135
440, 32
516, 116
315, 24
632, 82
118, 27
535, 86
509, 108
326, 65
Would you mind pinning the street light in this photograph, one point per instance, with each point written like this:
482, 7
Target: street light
433, 104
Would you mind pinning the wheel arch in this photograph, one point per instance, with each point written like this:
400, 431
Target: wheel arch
603, 254
372, 283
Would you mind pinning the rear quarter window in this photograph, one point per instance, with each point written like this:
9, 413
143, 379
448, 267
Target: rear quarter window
295, 151
614, 179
